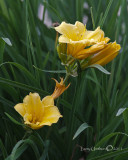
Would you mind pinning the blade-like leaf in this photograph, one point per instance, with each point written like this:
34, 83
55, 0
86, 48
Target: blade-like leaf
13, 120
6, 40
120, 111
100, 68
3, 149
81, 129
47, 71
2, 45
125, 116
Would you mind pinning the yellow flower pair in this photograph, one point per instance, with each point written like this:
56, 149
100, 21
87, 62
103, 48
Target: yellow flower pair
83, 44
36, 112
80, 44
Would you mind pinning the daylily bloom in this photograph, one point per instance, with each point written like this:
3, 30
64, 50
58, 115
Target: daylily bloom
83, 44
36, 112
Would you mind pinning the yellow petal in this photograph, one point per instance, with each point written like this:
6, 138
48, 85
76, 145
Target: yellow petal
90, 51
73, 32
33, 106
20, 108
67, 29
106, 39
96, 35
64, 39
107, 59
37, 125
28, 118
47, 101
32, 125
109, 51
80, 27
80, 30
51, 115
73, 48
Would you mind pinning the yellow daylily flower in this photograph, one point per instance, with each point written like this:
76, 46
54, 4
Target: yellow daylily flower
36, 112
59, 89
77, 38
82, 44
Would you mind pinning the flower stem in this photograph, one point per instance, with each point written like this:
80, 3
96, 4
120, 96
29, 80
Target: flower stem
25, 135
66, 77
72, 119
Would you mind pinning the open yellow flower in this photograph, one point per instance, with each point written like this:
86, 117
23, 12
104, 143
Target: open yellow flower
82, 43
36, 112
78, 38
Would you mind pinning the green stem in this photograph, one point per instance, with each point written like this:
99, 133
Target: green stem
66, 77
73, 110
25, 135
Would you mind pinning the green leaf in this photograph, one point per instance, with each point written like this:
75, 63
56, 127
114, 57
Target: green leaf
81, 129
92, 16
2, 45
47, 71
106, 13
53, 10
100, 68
106, 138
120, 111
79, 9
125, 116
6, 40
23, 86
110, 155
12, 156
13, 120
23, 69
45, 152
20, 150
3, 149
17, 150
103, 142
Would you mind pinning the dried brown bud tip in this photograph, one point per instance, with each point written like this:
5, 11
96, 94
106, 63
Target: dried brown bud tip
56, 24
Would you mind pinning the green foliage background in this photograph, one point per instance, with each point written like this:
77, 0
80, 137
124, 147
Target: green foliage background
93, 97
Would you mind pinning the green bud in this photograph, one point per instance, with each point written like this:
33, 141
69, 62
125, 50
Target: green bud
62, 52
